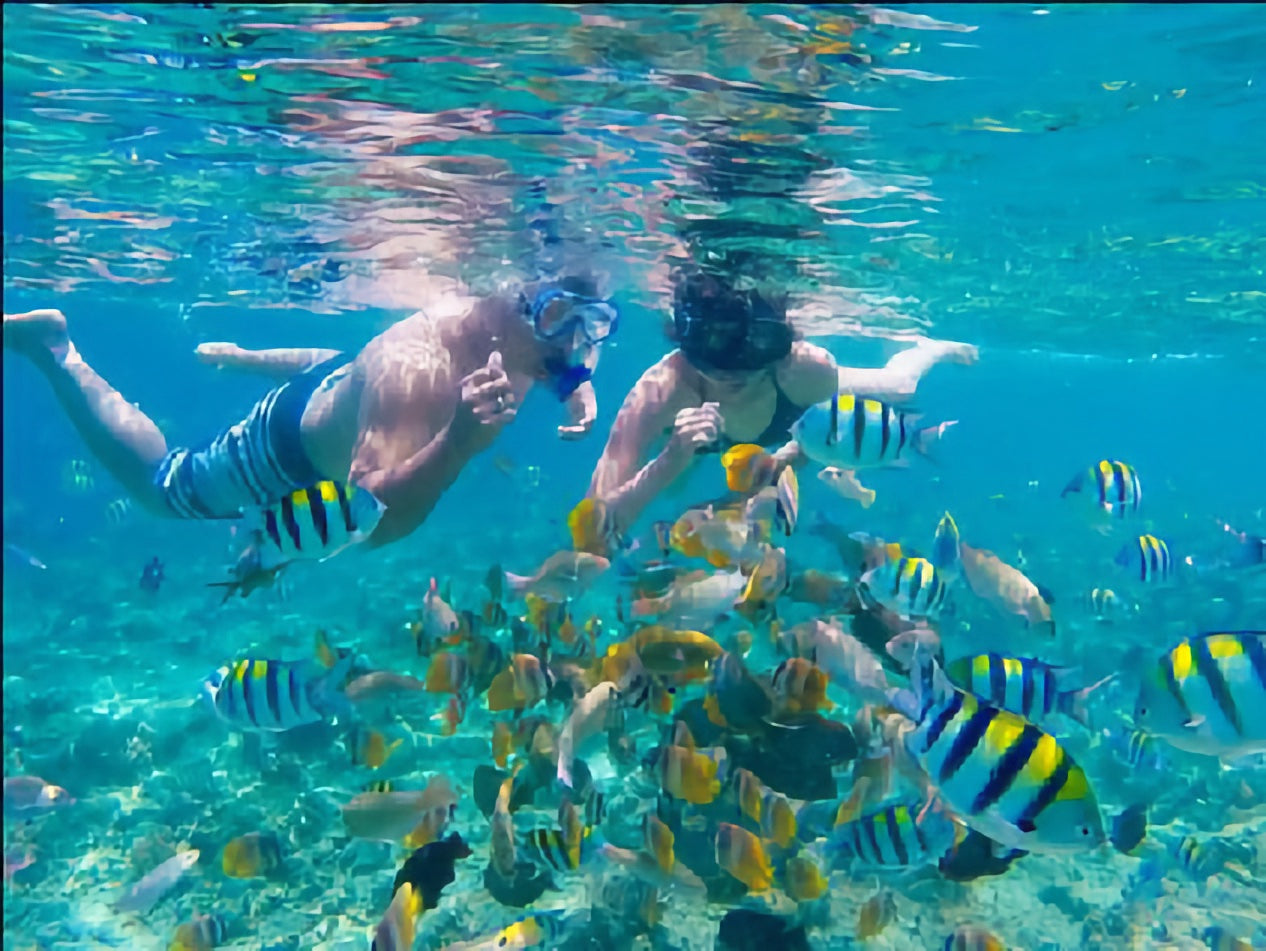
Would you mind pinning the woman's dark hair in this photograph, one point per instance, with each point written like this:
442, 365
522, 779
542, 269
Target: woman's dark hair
720, 326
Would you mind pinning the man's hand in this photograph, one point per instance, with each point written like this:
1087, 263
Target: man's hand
486, 404
582, 410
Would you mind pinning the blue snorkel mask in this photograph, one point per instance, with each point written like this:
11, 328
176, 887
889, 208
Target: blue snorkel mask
560, 316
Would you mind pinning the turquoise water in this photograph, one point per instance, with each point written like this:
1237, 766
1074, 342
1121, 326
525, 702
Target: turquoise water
1076, 190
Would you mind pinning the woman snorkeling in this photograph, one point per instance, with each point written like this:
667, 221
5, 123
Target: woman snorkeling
739, 375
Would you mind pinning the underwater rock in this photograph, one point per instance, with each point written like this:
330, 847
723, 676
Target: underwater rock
100, 755
527, 885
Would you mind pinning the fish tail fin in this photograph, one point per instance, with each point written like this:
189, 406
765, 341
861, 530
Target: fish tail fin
1073, 703
1074, 484
518, 584
325, 693
928, 686
925, 440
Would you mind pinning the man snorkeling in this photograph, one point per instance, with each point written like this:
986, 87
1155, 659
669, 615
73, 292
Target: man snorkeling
399, 419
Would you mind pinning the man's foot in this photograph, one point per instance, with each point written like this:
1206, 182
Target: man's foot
948, 351
220, 354
37, 334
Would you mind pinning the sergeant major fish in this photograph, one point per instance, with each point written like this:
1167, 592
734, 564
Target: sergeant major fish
317, 522
1003, 776
1148, 558
1113, 487
1207, 694
272, 696
852, 432
1024, 685
892, 838
910, 587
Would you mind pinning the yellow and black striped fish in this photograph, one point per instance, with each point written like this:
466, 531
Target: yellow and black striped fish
316, 522
552, 850
200, 933
1207, 694
1148, 558
853, 432
1105, 604
1024, 685
890, 837
911, 587
1002, 775
1114, 487
272, 696
559, 849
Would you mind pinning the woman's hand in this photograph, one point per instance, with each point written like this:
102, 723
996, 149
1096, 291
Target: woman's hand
788, 455
695, 428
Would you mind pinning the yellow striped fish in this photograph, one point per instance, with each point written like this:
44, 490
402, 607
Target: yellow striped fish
1105, 604
1113, 487
561, 849
272, 696
1024, 685
1207, 694
911, 587
890, 837
853, 432
1148, 558
316, 522
1003, 776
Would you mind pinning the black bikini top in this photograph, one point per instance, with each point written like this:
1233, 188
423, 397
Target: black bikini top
776, 434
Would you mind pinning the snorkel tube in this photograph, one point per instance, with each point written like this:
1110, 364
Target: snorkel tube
557, 315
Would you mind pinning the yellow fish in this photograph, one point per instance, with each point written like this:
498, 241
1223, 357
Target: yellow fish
592, 527
778, 819
804, 880
252, 855
879, 911
372, 749
658, 841
741, 854
748, 468
690, 775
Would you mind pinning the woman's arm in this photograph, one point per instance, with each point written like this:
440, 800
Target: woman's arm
650, 408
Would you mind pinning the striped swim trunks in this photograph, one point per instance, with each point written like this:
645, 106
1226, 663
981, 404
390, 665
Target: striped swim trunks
252, 463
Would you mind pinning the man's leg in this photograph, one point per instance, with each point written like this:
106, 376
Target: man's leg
122, 438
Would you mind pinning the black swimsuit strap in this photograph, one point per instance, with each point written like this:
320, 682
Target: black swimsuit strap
786, 412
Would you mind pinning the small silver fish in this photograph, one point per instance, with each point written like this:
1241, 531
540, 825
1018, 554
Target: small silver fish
149, 891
